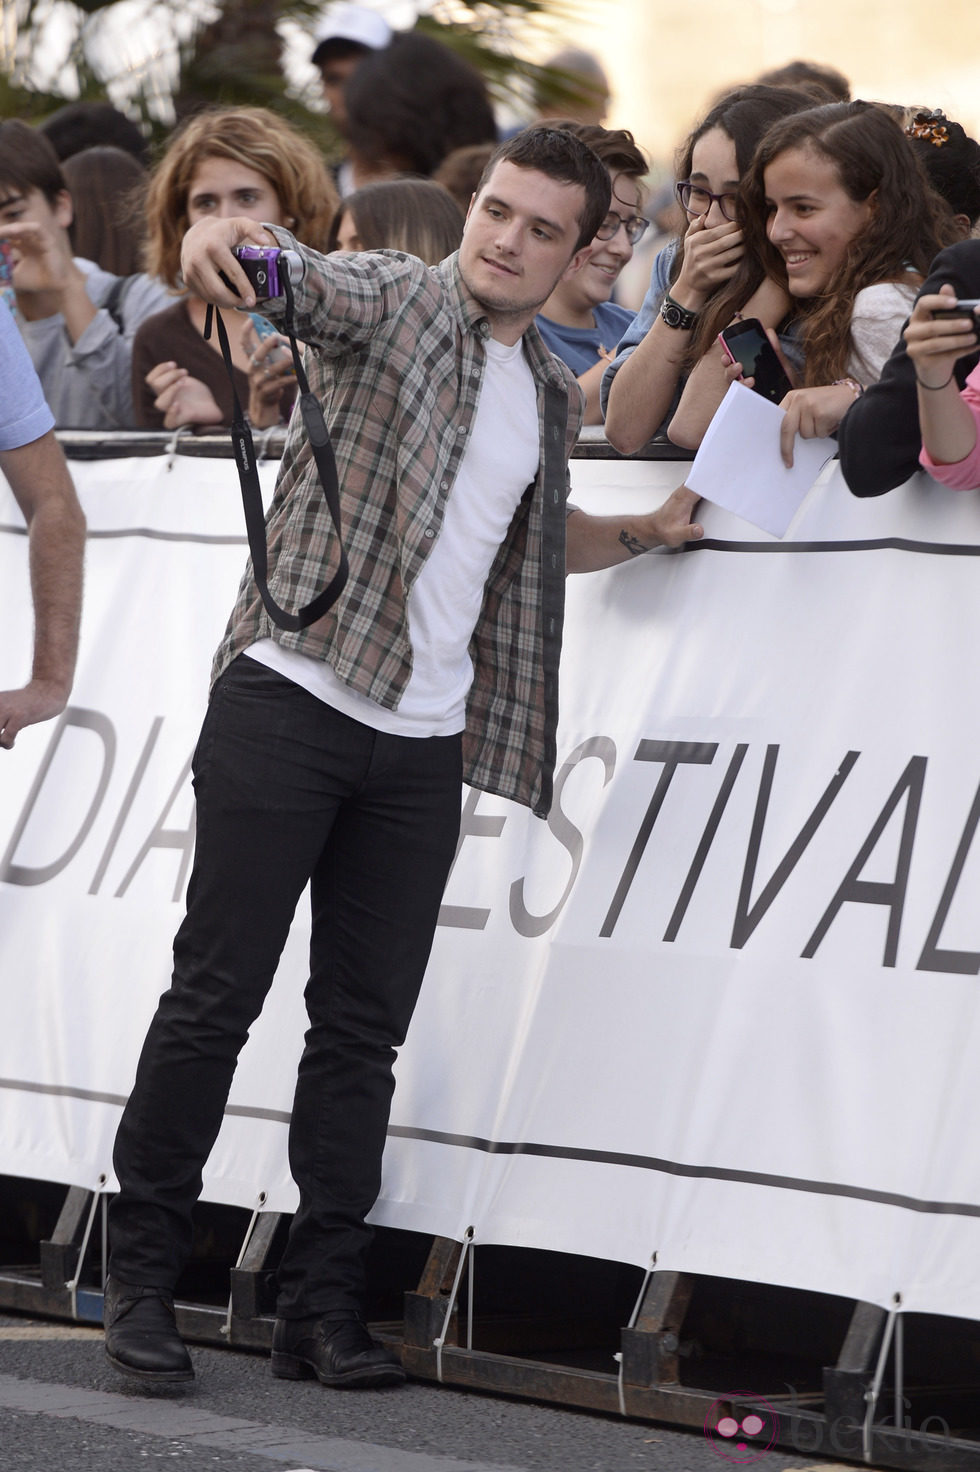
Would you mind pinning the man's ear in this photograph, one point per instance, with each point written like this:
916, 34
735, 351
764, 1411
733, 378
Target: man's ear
577, 262
63, 209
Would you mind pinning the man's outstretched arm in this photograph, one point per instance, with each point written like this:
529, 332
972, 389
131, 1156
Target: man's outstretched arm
595, 542
39, 478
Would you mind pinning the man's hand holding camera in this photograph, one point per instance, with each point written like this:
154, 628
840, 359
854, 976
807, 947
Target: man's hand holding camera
209, 265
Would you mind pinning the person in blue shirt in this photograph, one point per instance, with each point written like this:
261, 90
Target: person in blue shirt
578, 322
35, 468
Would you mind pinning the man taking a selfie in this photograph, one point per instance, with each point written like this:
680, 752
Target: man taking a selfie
335, 755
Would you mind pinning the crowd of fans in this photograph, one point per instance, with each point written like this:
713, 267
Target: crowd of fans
841, 229
828, 220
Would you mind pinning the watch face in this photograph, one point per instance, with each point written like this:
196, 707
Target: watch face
672, 315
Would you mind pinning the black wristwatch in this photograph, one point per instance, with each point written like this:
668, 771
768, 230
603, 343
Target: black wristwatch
675, 315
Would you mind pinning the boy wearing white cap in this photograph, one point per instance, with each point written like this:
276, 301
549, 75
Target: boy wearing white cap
349, 34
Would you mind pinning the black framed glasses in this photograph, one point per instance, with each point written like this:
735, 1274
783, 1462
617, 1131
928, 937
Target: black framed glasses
696, 200
634, 226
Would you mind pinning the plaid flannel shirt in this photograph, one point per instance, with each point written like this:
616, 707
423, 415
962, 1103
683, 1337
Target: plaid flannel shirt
396, 356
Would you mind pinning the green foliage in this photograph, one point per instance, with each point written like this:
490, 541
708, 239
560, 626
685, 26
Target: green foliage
26, 102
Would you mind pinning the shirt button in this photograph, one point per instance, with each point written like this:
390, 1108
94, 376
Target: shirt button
461, 429
429, 532
444, 485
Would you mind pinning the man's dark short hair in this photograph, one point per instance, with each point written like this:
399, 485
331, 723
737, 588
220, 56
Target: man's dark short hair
80, 125
413, 102
562, 157
821, 82
338, 48
615, 147
27, 161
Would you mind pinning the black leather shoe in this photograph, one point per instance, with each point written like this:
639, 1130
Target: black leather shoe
141, 1336
339, 1353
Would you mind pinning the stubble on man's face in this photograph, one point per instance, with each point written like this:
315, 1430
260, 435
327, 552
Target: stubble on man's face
520, 237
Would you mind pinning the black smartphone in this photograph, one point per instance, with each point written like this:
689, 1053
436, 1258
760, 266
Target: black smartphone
966, 310
746, 343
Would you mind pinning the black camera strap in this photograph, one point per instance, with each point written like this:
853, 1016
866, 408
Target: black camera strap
319, 437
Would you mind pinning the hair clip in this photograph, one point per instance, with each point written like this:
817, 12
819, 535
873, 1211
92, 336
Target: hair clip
931, 126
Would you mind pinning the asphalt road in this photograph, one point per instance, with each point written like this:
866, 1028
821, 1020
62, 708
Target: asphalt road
64, 1409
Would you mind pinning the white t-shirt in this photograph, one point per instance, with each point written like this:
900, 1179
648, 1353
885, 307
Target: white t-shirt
444, 603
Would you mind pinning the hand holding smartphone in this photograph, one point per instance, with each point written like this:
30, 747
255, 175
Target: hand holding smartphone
746, 343
965, 310
263, 330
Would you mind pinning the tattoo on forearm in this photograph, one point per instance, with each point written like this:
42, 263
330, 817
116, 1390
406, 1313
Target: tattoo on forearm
632, 544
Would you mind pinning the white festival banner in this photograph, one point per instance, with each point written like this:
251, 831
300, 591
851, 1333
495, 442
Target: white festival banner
721, 1007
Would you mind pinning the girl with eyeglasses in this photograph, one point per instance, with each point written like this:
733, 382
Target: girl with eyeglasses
837, 212
579, 322
642, 386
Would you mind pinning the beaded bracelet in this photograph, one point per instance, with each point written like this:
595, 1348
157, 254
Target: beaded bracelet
850, 383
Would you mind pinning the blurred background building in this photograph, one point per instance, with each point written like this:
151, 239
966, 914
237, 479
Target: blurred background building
666, 61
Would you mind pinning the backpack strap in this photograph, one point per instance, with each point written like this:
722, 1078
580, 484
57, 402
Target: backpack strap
113, 301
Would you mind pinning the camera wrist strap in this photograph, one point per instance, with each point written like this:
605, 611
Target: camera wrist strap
319, 437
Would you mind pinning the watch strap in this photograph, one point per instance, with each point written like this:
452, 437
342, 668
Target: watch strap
681, 318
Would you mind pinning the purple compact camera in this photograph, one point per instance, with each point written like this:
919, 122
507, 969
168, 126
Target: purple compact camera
261, 265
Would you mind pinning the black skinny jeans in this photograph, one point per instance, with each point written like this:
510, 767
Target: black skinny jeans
290, 790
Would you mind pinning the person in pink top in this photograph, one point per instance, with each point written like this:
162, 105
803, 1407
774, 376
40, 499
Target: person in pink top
949, 419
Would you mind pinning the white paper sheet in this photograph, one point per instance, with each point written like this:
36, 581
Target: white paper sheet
739, 466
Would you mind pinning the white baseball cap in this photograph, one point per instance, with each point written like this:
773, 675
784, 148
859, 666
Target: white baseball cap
354, 23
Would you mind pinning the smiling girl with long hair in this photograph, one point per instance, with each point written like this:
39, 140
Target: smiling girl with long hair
836, 210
